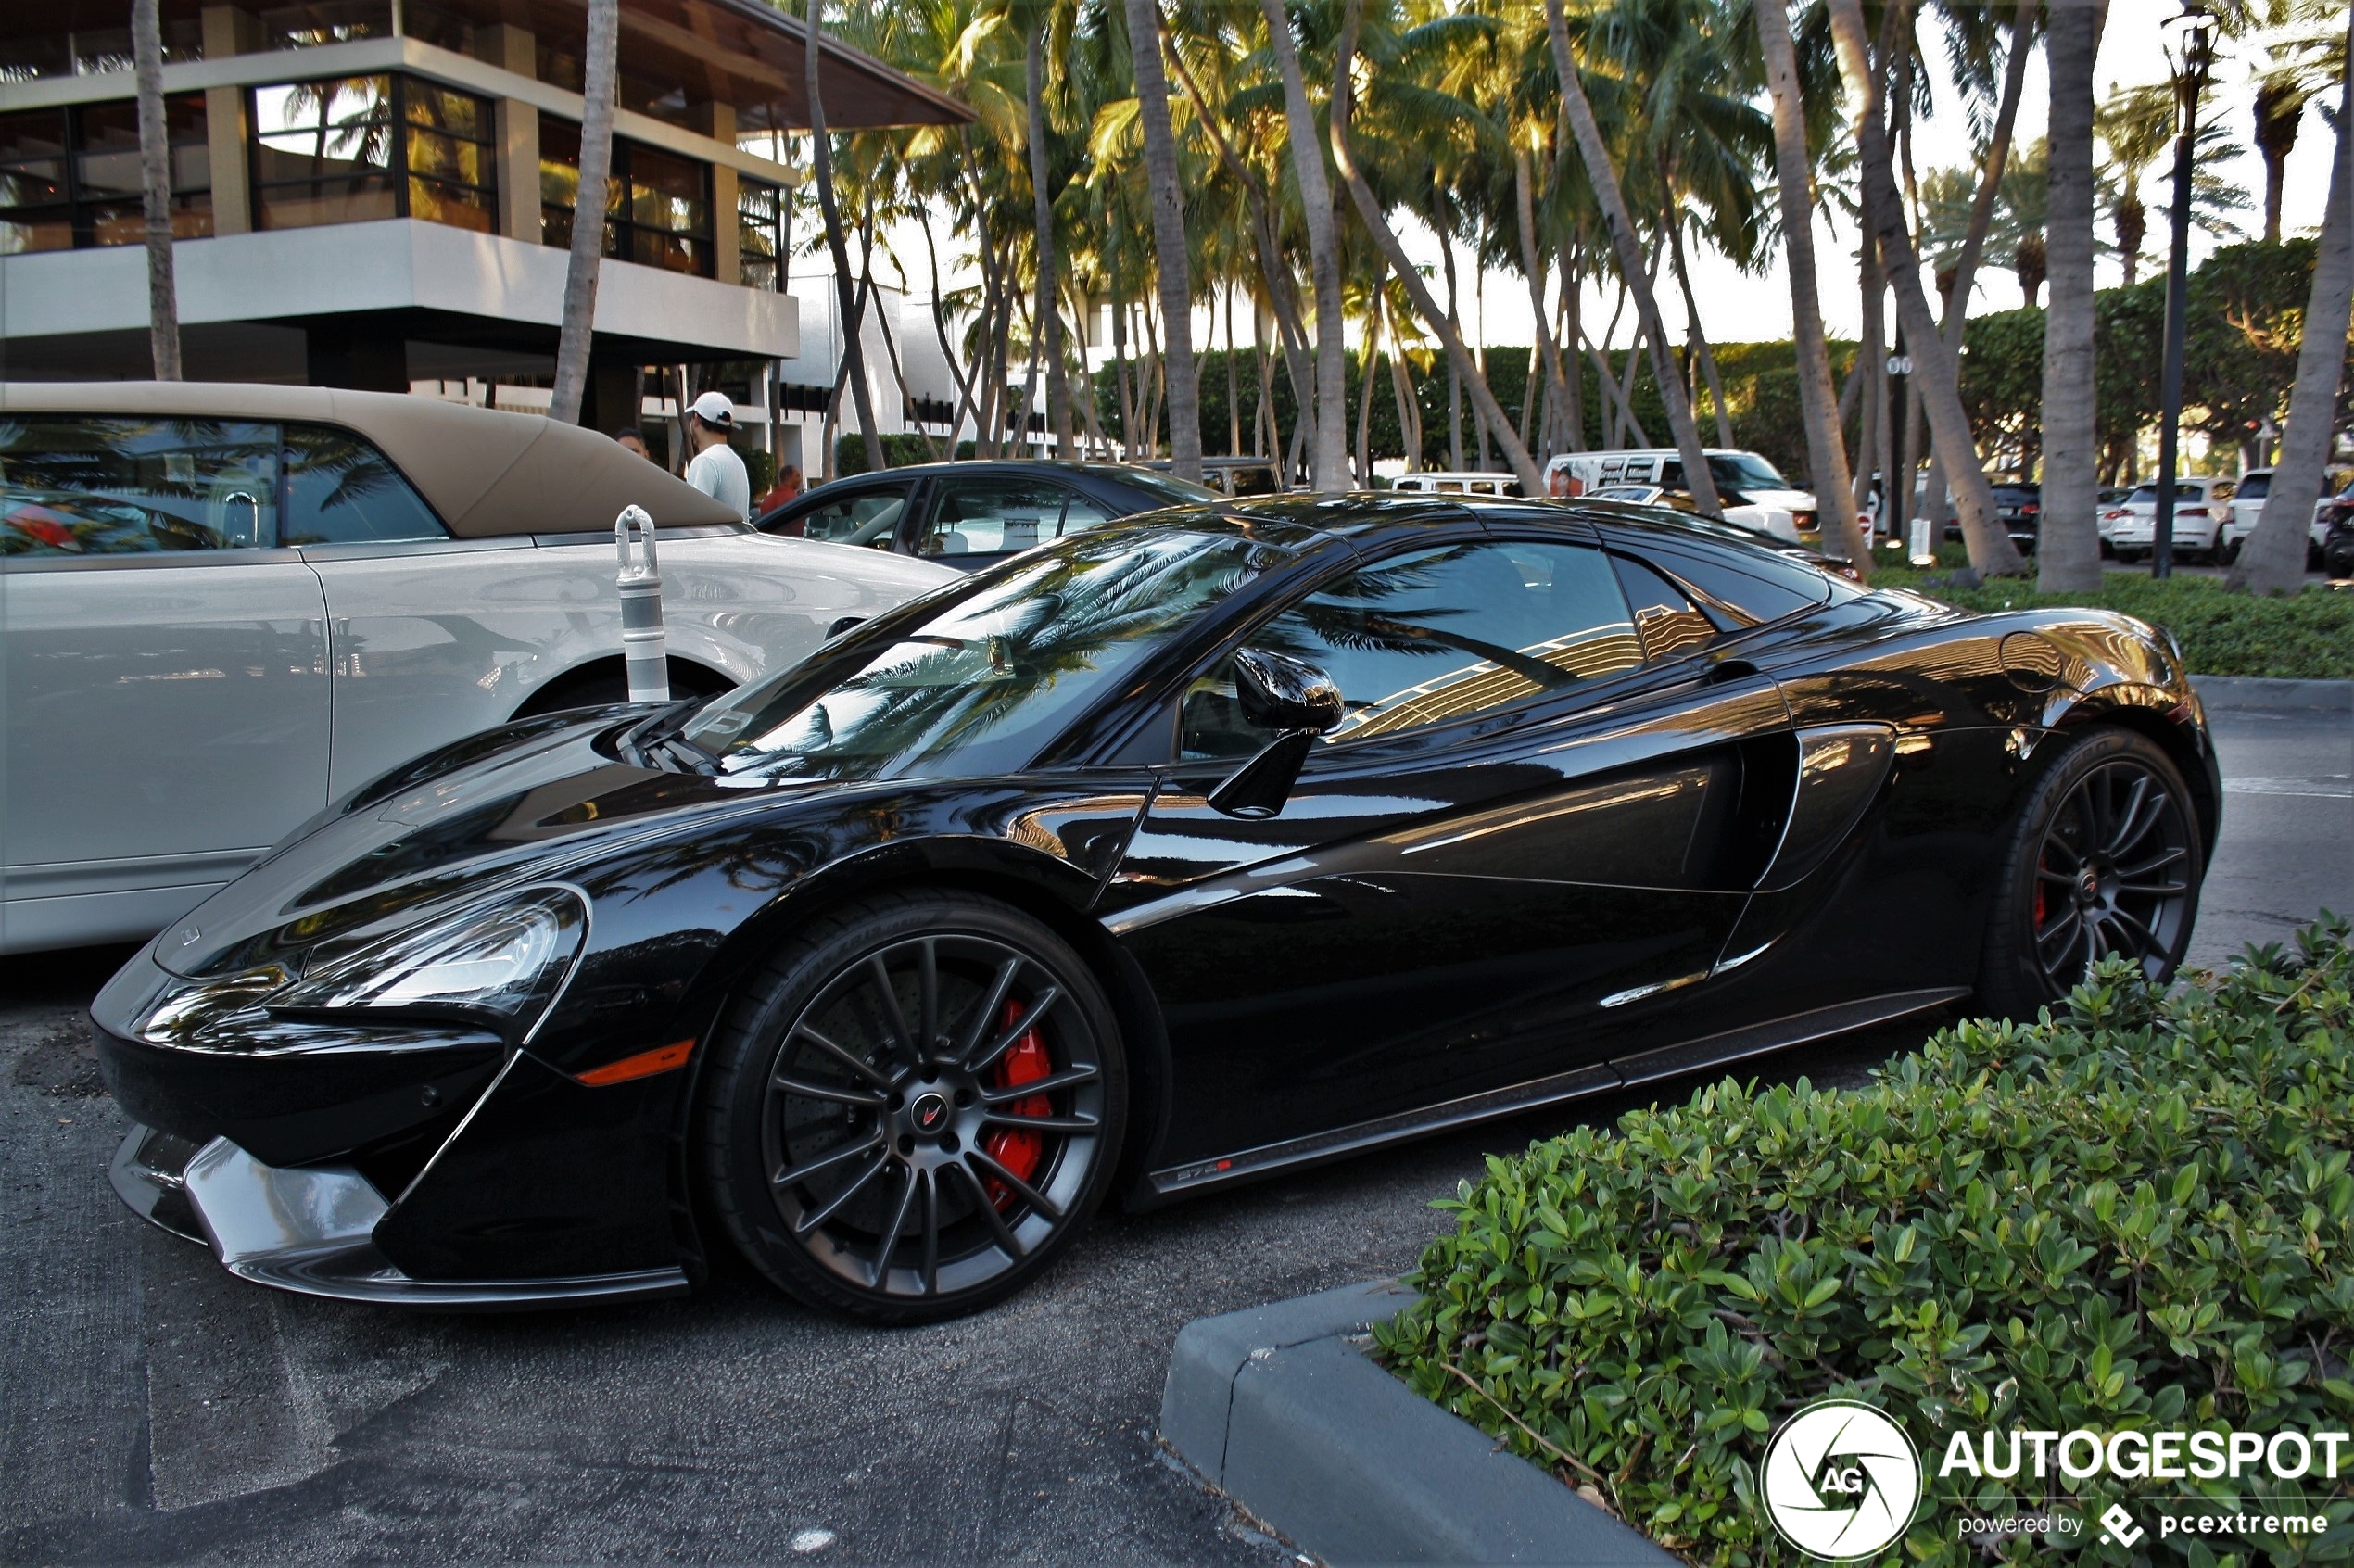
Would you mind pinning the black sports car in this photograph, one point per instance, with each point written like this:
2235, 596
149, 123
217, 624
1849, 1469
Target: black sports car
1199, 846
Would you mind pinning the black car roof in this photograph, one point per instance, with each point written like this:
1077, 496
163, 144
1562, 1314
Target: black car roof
1113, 471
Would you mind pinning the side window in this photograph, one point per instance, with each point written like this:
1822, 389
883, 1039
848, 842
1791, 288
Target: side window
867, 517
341, 490
1765, 587
1080, 514
1432, 636
130, 486
1668, 620
992, 516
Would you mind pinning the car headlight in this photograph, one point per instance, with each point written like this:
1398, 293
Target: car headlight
500, 964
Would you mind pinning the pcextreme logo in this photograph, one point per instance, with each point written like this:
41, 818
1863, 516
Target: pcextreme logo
1841, 1480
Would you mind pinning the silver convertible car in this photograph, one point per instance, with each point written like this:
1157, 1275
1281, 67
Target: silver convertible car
225, 606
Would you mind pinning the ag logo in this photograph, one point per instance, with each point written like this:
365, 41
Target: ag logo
1841, 1480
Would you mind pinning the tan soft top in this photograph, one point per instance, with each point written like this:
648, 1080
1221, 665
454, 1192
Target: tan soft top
486, 473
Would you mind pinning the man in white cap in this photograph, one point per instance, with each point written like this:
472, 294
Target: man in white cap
715, 470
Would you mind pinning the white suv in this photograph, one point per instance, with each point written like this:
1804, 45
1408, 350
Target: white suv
223, 607
2248, 509
2199, 508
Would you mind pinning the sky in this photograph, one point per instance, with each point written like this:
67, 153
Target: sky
1738, 307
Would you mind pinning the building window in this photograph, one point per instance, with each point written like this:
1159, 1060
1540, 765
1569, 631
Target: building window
363, 148
657, 204
70, 177
52, 46
760, 216
325, 22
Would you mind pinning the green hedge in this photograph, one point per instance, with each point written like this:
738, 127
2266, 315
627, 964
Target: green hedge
2306, 636
2138, 1213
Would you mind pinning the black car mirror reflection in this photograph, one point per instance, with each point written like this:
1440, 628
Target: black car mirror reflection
1284, 694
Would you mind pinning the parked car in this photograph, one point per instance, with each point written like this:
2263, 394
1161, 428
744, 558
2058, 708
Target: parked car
2337, 545
1750, 490
1180, 851
2201, 505
1449, 481
2248, 509
249, 601
2018, 507
968, 514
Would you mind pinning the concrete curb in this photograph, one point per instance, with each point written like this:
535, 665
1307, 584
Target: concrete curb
1284, 1413
2228, 692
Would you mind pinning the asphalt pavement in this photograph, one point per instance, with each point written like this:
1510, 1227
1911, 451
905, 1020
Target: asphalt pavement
155, 1410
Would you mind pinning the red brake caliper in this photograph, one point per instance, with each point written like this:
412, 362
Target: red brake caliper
1017, 1150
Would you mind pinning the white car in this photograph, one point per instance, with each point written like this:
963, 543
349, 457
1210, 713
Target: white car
2200, 506
2248, 509
1751, 491
1442, 482
223, 607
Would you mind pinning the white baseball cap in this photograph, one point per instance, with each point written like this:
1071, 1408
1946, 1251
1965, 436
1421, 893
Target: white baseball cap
712, 408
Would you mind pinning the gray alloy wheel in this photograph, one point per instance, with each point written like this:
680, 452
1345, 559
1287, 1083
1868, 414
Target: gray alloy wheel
2105, 862
921, 1105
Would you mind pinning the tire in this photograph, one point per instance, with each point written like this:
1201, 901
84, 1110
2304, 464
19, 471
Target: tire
824, 1131
2226, 554
2115, 808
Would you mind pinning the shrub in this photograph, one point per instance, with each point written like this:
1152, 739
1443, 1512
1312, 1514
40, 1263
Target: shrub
2306, 636
899, 450
2137, 1213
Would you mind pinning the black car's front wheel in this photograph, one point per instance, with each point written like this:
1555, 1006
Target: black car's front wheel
2105, 861
914, 1107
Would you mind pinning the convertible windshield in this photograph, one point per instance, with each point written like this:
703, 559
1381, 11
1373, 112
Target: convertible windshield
993, 672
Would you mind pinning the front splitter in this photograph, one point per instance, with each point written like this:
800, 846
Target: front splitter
311, 1230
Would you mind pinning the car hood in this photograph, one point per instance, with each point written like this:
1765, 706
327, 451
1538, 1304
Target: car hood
534, 812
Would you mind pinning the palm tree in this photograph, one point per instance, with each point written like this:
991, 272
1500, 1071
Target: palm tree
1936, 371
821, 164
1047, 308
1604, 177
2068, 555
1532, 479
1826, 445
2137, 125
598, 84
155, 183
1329, 453
1169, 235
2273, 560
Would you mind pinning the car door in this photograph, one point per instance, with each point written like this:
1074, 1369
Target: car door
971, 520
1521, 840
167, 688
424, 634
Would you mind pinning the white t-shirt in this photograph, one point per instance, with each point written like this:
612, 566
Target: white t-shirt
718, 472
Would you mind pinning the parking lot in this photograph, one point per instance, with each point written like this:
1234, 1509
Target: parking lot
159, 1410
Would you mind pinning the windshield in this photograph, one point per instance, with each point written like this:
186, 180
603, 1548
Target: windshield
1168, 490
992, 670
1745, 470
2255, 486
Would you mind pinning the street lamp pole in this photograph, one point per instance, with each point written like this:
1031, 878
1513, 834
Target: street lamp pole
2195, 30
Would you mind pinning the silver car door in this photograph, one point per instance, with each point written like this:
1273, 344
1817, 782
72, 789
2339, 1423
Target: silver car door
167, 690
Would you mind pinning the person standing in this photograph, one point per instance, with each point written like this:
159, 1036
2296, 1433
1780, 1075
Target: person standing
715, 470
787, 486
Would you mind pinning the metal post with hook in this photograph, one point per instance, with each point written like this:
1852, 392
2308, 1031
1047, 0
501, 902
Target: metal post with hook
643, 644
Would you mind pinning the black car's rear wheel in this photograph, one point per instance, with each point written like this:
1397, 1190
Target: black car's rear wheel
914, 1107
2105, 862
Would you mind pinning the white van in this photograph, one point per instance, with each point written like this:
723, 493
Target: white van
1750, 490
1447, 482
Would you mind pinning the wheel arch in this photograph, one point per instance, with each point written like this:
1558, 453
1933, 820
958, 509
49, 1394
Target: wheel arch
2177, 740
688, 676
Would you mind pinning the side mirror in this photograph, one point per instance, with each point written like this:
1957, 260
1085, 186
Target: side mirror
1280, 693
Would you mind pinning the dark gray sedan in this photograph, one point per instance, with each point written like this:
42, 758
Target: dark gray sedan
968, 514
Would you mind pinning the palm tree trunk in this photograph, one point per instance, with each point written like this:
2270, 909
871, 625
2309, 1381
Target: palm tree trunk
1330, 451
1870, 379
1826, 447
1572, 331
1532, 479
1454, 319
1169, 237
1409, 412
1937, 368
1047, 307
1697, 335
821, 162
2272, 561
2068, 553
1532, 267
1365, 357
1604, 178
573, 337
155, 182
